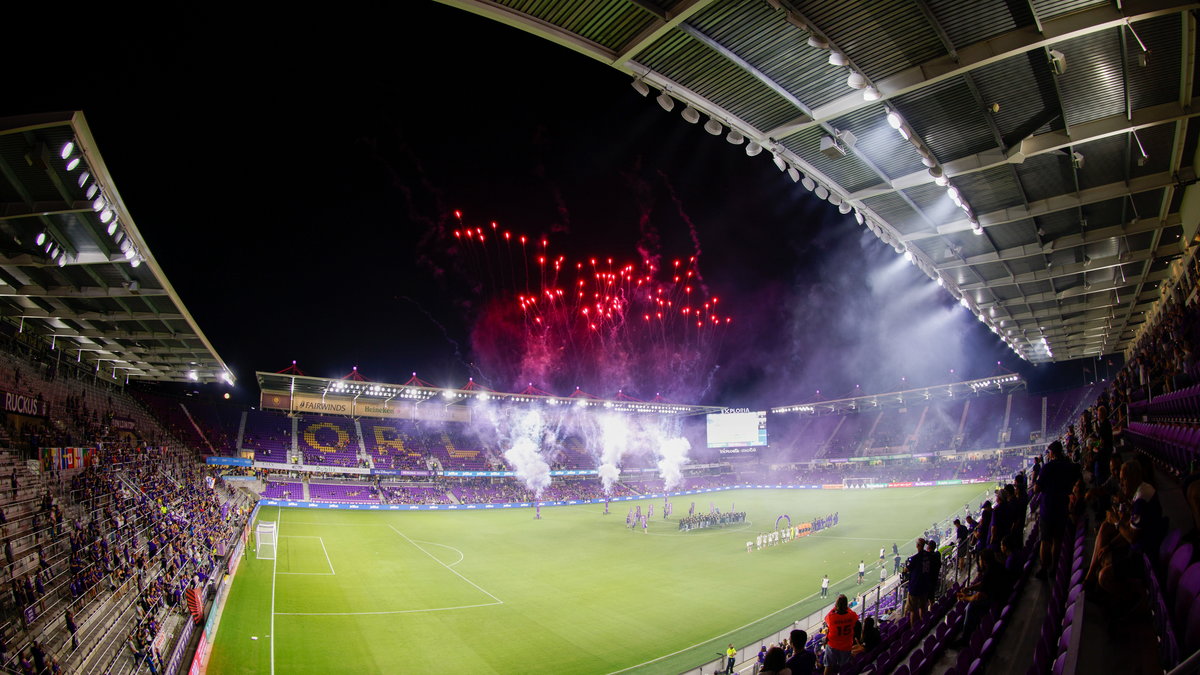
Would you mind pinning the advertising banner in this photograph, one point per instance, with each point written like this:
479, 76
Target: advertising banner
123, 424
23, 404
228, 461
365, 407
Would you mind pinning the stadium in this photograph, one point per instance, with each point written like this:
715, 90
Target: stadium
602, 336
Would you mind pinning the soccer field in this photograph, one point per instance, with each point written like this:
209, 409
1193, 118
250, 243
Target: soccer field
574, 592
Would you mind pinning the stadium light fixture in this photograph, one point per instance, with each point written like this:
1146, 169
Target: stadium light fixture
871, 93
735, 137
809, 184
665, 101
780, 162
837, 59
690, 114
856, 80
41, 238
112, 228
62, 260
713, 127
106, 215
941, 181
129, 253
817, 43
821, 192
67, 149
908, 256
84, 178
641, 87
794, 174
73, 163
940, 282
92, 190
135, 262
193, 376
753, 148
894, 120
98, 204
844, 208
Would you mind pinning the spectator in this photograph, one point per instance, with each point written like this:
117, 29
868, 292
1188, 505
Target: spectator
1054, 484
803, 661
774, 663
839, 640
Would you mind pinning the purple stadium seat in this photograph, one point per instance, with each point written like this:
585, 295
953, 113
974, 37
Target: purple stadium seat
1179, 562
1191, 634
1169, 544
976, 667
1065, 640
1059, 663
902, 670
1189, 588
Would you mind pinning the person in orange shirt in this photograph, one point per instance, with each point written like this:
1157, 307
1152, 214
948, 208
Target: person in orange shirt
839, 638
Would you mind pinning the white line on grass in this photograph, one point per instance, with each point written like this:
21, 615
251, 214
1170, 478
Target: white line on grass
743, 626
460, 576
331, 570
398, 611
274, 568
434, 543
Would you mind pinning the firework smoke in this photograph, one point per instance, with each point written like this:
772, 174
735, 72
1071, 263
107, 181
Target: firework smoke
672, 455
525, 457
614, 443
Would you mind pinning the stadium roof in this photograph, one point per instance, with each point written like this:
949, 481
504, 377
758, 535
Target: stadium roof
1061, 125
75, 269
419, 391
998, 384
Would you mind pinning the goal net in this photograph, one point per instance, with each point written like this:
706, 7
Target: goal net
265, 536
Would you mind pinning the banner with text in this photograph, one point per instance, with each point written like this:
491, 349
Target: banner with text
432, 411
23, 404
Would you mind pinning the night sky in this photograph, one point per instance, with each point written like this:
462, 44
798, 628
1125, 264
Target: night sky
295, 176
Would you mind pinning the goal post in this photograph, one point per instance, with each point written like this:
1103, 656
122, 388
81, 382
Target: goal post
265, 538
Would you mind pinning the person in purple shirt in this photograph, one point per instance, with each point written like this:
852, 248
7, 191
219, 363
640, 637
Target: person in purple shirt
1133, 527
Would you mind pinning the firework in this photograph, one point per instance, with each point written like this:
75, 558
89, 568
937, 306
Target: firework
599, 323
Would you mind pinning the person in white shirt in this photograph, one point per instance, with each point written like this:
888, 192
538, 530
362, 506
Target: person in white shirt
862, 570
825, 586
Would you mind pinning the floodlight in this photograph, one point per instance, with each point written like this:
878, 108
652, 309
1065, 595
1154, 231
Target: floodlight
41, 238
72, 163
106, 215
83, 178
112, 228
856, 80
858, 216
871, 94
735, 137
941, 181
940, 281
98, 205
908, 256
62, 260
894, 120
794, 174
135, 262
713, 127
641, 87
963, 301
690, 115
808, 183
844, 208
821, 192
67, 149
665, 101
780, 163
837, 59
817, 43
753, 148
92, 190
129, 253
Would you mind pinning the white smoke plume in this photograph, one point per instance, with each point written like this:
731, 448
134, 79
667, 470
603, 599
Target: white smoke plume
672, 454
614, 443
524, 457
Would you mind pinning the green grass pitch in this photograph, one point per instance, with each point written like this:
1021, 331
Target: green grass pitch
574, 592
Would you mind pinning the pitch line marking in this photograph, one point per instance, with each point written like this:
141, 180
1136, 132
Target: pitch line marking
331, 571
274, 569
434, 543
398, 611
456, 572
852, 575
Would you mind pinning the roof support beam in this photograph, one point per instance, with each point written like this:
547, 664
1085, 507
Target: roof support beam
110, 317
82, 292
1044, 143
680, 12
1057, 203
1077, 268
975, 56
1064, 243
